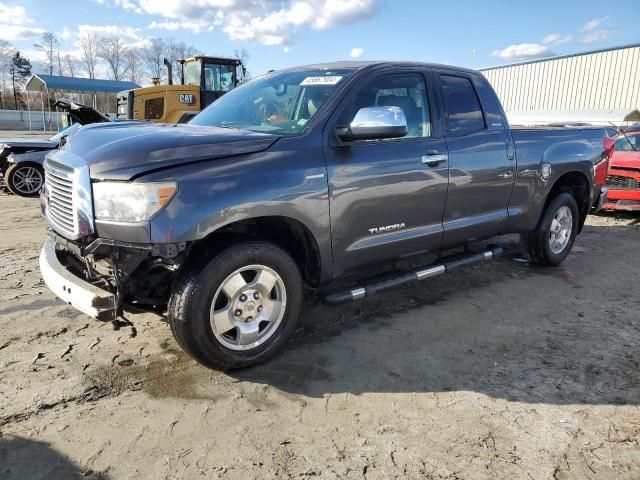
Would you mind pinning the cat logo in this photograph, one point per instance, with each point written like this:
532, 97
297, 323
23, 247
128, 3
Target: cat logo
188, 99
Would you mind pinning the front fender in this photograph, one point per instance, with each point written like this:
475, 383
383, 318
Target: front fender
272, 183
37, 156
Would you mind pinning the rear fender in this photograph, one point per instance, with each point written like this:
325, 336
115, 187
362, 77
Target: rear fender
538, 179
560, 160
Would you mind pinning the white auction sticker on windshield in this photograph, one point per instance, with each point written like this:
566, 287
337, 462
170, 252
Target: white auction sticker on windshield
327, 80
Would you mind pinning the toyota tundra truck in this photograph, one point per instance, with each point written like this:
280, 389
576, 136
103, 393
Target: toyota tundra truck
305, 179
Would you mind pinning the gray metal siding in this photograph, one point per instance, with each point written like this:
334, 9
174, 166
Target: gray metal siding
607, 79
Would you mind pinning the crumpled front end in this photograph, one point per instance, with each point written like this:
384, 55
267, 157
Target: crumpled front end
623, 183
97, 275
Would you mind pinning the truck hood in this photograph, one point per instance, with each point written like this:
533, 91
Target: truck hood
125, 151
625, 159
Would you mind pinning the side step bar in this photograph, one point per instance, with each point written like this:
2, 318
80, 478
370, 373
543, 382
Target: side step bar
371, 287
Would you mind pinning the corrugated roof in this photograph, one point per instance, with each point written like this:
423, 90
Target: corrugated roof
559, 57
39, 81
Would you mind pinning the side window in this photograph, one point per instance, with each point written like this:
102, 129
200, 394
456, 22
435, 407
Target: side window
462, 105
406, 91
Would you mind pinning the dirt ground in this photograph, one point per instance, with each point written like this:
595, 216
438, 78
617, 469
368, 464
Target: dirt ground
501, 370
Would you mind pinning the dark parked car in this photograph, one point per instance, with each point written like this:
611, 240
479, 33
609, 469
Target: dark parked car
300, 179
21, 159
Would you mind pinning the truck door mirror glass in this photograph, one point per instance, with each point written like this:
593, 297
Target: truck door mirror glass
374, 123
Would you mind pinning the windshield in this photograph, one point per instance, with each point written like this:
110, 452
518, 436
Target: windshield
281, 104
628, 143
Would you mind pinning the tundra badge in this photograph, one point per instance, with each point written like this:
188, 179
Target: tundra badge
387, 228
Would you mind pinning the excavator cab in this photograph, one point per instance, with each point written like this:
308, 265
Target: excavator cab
202, 81
214, 75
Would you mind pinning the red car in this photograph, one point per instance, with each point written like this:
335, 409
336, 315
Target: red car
623, 180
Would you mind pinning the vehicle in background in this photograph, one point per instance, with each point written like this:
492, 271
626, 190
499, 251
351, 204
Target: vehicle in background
21, 159
324, 177
623, 180
202, 81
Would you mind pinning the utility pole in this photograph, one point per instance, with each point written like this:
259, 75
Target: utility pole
474, 58
13, 80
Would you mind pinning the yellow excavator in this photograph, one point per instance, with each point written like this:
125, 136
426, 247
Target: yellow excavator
202, 81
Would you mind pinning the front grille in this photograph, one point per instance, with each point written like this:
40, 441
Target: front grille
59, 190
622, 183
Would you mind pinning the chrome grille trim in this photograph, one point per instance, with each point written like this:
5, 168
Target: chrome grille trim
67, 200
59, 195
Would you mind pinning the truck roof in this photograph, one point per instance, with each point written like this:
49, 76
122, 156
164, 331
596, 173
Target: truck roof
360, 65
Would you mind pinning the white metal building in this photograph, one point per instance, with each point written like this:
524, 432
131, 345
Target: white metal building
592, 83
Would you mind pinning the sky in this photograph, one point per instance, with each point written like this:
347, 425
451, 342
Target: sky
281, 33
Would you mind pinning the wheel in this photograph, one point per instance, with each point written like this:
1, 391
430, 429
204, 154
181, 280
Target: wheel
550, 243
24, 179
240, 308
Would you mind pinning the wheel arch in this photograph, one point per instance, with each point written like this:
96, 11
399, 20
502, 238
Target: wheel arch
288, 233
577, 184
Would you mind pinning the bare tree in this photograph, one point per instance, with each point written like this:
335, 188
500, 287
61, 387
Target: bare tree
134, 70
60, 63
172, 53
6, 53
89, 53
48, 44
180, 51
153, 56
70, 65
243, 56
113, 51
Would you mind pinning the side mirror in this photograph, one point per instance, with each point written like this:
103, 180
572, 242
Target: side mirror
374, 123
609, 146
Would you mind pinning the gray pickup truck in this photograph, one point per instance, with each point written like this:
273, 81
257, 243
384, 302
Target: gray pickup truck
310, 177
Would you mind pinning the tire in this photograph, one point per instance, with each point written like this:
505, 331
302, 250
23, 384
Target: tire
24, 179
192, 310
547, 248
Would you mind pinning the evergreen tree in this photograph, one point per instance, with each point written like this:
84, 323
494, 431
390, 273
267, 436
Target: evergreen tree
20, 70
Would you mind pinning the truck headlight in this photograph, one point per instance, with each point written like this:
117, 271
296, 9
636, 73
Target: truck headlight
131, 202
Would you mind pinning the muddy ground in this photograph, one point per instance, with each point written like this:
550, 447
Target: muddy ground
501, 370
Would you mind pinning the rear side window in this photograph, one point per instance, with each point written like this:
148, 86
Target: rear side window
462, 105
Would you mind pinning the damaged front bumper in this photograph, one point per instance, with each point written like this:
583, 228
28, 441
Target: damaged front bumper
103, 276
75, 291
600, 199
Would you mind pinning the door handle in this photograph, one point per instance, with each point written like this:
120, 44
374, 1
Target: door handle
433, 158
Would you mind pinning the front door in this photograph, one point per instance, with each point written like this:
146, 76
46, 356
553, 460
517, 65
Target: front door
387, 197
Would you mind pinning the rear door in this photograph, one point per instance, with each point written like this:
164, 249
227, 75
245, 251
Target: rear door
387, 197
481, 163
